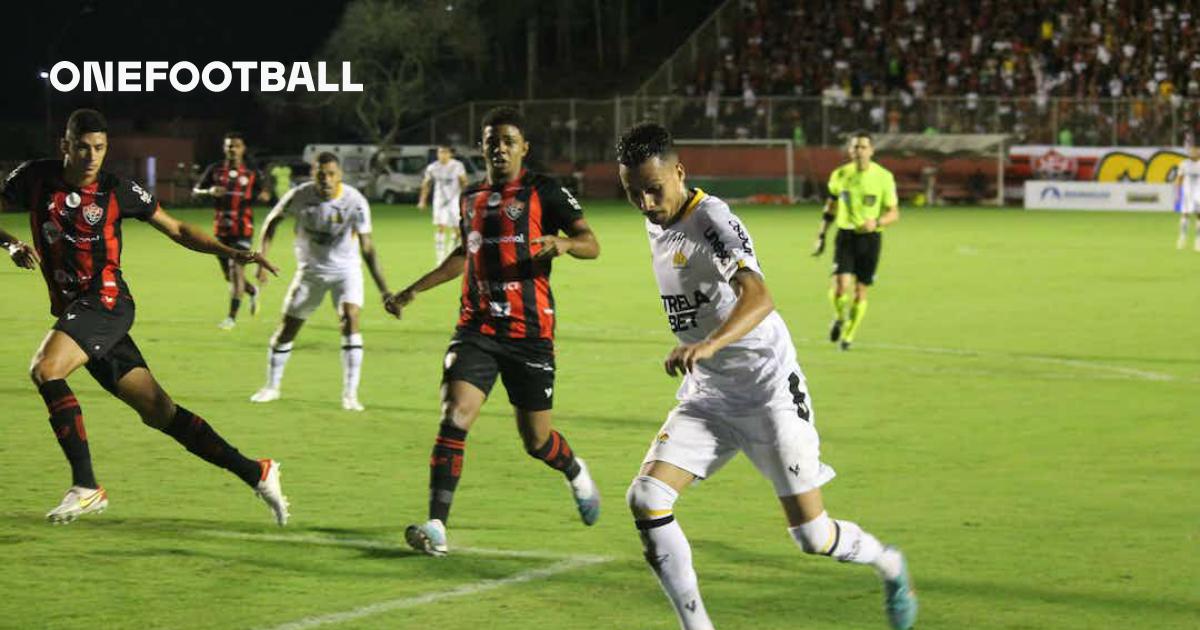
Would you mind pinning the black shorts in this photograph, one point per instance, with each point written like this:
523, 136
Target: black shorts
857, 254
104, 335
243, 243
525, 365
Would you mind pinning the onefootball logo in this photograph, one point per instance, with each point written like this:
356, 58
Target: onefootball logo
185, 76
1051, 191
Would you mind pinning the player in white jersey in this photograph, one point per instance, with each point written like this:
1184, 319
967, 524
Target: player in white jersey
330, 217
1188, 181
447, 177
742, 388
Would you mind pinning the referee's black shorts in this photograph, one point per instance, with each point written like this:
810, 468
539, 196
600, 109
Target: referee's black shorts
857, 253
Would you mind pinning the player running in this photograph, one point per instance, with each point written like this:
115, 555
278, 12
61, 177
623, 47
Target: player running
1188, 181
859, 191
75, 214
742, 388
234, 185
510, 225
447, 177
330, 216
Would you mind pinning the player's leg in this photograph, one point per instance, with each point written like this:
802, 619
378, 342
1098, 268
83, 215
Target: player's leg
138, 388
843, 276
691, 444
303, 297
469, 372
1196, 227
866, 262
439, 241
347, 295
58, 356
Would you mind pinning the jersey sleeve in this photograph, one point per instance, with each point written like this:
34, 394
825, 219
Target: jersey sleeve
459, 169
134, 201
362, 215
286, 202
15, 188
834, 186
429, 171
559, 208
889, 192
207, 177
729, 243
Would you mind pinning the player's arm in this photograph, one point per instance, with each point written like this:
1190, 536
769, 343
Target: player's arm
580, 242
199, 240
890, 216
827, 215
22, 254
450, 268
754, 303
426, 186
366, 247
270, 224
12, 191
205, 186
892, 204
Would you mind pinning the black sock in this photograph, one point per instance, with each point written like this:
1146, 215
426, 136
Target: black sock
66, 419
234, 305
445, 467
558, 455
202, 441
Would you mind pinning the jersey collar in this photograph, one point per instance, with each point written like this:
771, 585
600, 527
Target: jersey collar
697, 196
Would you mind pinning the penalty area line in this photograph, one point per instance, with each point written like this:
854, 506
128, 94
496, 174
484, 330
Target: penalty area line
560, 564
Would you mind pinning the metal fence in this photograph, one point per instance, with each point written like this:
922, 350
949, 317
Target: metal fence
577, 130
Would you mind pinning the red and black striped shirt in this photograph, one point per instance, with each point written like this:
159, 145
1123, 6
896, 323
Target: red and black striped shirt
77, 231
505, 293
234, 214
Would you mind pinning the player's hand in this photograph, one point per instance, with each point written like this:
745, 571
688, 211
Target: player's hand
551, 246
217, 191
871, 225
264, 196
421, 205
682, 359
819, 245
398, 301
23, 255
246, 256
389, 306
261, 276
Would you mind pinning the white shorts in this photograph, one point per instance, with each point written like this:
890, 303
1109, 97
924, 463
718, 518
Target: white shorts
445, 214
780, 441
308, 289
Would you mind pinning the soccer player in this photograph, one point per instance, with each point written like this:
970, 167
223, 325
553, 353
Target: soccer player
75, 214
330, 217
863, 193
1188, 181
447, 177
234, 185
510, 225
742, 388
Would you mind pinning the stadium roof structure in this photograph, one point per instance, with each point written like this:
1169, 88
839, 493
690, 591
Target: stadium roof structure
945, 146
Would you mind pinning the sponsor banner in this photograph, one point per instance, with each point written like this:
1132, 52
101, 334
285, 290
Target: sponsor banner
1152, 165
1065, 195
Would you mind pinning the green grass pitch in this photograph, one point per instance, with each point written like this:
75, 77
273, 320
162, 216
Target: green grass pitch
1020, 415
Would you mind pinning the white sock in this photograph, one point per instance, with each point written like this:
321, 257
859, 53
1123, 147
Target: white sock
667, 549
352, 356
847, 542
439, 246
277, 358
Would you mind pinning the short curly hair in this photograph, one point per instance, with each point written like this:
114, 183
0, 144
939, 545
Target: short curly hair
504, 115
644, 141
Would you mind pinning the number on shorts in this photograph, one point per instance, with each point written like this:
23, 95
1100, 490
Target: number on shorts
798, 397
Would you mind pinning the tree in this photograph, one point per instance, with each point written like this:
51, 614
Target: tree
403, 52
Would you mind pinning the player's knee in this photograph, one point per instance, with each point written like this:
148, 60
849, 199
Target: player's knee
43, 370
649, 498
459, 414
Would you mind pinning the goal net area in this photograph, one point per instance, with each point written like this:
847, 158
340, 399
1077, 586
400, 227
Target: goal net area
750, 170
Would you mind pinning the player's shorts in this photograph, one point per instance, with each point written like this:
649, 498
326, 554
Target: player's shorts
857, 254
525, 365
779, 438
308, 288
1191, 206
445, 214
243, 243
104, 335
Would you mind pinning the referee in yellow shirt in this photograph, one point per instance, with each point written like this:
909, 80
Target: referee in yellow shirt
862, 200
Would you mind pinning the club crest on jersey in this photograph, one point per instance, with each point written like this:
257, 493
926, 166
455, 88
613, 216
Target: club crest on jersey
514, 210
73, 200
494, 200
92, 213
663, 437
679, 261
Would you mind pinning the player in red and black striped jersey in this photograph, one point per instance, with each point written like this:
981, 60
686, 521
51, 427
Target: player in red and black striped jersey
511, 226
234, 186
75, 216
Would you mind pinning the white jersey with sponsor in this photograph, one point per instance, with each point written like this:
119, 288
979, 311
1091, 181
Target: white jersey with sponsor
1190, 171
326, 229
446, 183
694, 260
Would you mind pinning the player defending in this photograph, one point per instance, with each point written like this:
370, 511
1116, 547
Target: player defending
330, 216
75, 213
742, 388
233, 185
1188, 182
858, 191
448, 178
510, 225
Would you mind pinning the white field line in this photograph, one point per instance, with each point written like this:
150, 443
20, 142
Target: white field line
1127, 372
561, 564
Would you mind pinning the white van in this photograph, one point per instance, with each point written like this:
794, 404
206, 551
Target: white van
393, 174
